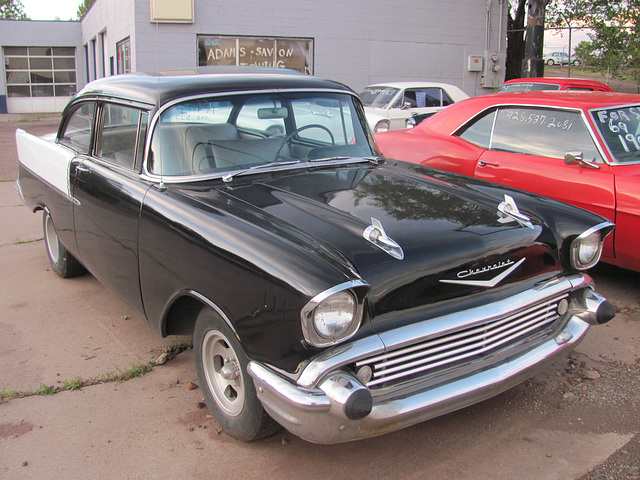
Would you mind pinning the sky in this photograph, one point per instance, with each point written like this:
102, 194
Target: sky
50, 9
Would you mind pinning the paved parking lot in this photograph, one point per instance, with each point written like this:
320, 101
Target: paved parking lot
580, 419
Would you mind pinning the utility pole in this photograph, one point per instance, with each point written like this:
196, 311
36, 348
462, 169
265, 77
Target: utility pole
533, 63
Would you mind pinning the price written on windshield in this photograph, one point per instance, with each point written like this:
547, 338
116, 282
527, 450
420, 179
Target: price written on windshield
625, 123
539, 119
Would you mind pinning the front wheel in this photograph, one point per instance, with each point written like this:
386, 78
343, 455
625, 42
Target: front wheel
228, 389
62, 262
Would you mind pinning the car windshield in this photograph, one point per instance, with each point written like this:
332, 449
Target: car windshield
525, 86
378, 97
235, 133
620, 129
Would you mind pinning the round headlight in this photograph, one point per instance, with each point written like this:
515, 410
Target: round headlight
586, 250
335, 315
382, 126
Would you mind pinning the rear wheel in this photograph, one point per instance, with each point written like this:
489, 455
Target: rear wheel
62, 262
228, 389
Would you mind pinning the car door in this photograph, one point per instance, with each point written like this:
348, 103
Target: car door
109, 194
527, 151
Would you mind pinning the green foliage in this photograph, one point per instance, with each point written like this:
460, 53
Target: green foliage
12, 10
74, 384
614, 47
46, 390
136, 370
83, 8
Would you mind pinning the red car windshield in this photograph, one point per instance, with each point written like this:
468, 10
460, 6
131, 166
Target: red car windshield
526, 86
620, 129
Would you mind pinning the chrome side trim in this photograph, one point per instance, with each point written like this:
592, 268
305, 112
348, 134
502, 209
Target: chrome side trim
211, 305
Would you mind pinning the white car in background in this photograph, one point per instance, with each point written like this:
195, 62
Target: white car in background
560, 58
388, 106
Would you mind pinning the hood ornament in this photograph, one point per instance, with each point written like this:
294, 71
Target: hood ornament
508, 212
376, 235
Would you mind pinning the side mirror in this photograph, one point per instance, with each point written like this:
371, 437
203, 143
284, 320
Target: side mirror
577, 158
571, 158
406, 106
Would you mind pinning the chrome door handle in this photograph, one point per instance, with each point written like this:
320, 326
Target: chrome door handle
484, 163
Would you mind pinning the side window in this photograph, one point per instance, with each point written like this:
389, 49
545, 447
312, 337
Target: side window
118, 138
446, 99
410, 98
479, 132
426, 97
542, 132
77, 131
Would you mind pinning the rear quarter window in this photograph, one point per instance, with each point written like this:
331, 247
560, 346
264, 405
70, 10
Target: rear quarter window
542, 132
78, 128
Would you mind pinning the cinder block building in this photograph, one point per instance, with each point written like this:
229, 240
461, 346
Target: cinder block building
358, 42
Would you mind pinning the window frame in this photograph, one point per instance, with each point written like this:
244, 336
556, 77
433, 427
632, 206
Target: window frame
32, 71
123, 55
99, 131
63, 128
495, 111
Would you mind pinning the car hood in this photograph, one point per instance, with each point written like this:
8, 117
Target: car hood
452, 240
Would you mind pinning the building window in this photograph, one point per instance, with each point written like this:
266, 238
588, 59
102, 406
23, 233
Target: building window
40, 71
280, 52
124, 55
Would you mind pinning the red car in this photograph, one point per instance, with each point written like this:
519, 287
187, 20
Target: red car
582, 148
550, 83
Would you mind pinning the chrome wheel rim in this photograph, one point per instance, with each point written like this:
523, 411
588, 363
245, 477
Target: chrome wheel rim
223, 373
51, 238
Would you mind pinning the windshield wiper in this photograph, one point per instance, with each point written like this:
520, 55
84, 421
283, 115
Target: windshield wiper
373, 160
328, 159
229, 177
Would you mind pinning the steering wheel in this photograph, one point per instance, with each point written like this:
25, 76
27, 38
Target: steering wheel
288, 138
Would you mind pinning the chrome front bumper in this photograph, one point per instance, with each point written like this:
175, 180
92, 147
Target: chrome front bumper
328, 403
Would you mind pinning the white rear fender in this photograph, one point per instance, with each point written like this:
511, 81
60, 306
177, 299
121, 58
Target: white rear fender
46, 159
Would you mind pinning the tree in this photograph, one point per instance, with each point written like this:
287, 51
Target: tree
524, 46
83, 8
615, 39
533, 65
515, 39
12, 10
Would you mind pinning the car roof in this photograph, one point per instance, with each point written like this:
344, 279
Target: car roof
561, 98
402, 85
458, 113
157, 88
557, 81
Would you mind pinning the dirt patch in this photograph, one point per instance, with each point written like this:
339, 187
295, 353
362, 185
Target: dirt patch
14, 430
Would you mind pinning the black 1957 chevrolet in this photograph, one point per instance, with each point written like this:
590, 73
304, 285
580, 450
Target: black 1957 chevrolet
339, 293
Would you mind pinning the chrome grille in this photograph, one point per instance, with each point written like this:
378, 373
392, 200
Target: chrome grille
461, 346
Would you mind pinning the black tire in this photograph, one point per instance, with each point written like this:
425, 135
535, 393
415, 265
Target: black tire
550, 62
577, 63
62, 262
228, 389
